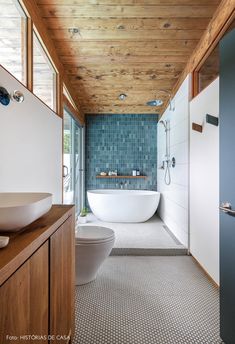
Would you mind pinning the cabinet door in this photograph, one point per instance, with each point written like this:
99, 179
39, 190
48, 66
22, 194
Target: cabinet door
62, 281
24, 301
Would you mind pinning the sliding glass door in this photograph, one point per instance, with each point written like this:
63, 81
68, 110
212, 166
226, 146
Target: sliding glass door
73, 162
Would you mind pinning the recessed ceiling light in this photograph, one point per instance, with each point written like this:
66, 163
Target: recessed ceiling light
122, 96
73, 30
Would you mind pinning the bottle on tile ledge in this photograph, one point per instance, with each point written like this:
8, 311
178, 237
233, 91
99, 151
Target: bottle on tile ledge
134, 173
138, 172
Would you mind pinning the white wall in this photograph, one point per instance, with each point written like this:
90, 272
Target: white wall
30, 144
173, 207
204, 181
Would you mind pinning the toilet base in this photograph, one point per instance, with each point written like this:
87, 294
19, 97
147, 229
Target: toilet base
81, 281
88, 260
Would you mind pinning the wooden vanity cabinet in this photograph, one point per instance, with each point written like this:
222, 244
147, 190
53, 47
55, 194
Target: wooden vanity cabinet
37, 281
24, 300
62, 255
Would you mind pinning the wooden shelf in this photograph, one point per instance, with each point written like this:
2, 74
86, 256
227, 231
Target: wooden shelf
124, 177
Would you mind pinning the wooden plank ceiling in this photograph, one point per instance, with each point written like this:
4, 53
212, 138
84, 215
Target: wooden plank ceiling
136, 47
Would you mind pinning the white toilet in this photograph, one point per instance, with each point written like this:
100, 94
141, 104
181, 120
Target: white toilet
93, 246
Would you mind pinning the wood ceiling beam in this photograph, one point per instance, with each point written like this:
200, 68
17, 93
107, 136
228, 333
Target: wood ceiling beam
116, 109
114, 97
116, 24
117, 89
99, 35
119, 11
121, 82
124, 48
118, 35
168, 59
124, 24
127, 2
120, 68
31, 8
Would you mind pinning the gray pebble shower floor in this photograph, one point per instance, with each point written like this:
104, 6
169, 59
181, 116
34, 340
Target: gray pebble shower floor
148, 300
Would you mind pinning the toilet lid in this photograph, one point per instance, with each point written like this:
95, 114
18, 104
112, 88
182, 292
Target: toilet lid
93, 234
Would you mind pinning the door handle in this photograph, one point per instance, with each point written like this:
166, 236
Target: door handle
65, 171
226, 207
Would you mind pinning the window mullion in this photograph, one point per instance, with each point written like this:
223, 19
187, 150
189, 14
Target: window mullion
30, 54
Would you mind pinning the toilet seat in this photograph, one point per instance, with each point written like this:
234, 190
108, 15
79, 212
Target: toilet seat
93, 235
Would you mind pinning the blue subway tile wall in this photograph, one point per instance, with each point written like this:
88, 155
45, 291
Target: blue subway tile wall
122, 143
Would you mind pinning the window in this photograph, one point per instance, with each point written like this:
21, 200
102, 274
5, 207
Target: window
44, 75
13, 24
68, 97
209, 70
73, 175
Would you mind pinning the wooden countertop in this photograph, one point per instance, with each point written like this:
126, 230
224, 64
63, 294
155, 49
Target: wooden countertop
24, 243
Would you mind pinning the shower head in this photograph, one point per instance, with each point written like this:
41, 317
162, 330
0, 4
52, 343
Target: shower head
156, 102
163, 123
159, 101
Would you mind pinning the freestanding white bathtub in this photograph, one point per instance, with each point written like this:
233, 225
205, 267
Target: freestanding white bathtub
123, 205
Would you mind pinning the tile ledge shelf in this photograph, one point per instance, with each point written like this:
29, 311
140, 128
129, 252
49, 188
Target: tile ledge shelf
135, 177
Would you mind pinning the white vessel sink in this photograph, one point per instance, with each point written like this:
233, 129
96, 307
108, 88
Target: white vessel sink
18, 210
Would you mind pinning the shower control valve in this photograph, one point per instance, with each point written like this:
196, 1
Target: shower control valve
173, 162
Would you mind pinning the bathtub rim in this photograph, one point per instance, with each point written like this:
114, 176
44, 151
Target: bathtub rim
121, 192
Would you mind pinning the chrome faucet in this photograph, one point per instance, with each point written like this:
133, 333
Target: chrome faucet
121, 185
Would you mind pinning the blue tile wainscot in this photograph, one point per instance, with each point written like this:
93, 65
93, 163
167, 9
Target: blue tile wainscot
122, 143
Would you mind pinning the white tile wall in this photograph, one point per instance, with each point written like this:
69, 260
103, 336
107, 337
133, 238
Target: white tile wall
204, 182
173, 208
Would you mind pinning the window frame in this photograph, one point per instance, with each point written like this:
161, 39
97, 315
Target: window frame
67, 95
35, 23
51, 65
23, 33
195, 73
67, 102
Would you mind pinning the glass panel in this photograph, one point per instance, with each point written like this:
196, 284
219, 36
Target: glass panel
44, 75
77, 166
209, 70
72, 162
13, 39
68, 185
68, 96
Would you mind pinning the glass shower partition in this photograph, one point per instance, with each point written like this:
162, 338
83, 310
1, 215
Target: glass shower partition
73, 162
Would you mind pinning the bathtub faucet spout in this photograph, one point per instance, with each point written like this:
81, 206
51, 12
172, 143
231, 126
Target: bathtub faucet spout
122, 185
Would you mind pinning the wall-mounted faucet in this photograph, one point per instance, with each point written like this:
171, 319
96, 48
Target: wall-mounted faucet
122, 185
